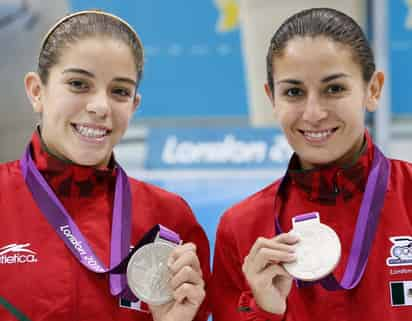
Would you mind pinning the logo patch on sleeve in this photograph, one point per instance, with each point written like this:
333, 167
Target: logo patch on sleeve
401, 251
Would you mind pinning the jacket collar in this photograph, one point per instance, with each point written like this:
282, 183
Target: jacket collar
67, 178
325, 184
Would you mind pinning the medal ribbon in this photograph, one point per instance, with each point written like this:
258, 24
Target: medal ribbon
68, 231
365, 228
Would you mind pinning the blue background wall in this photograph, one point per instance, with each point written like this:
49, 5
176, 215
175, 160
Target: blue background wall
192, 70
400, 56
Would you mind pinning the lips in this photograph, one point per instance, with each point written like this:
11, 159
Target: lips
318, 135
91, 131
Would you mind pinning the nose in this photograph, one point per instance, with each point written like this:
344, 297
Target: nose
99, 105
314, 111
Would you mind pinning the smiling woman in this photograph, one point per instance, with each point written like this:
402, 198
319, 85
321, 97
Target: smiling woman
319, 100
321, 81
68, 195
85, 106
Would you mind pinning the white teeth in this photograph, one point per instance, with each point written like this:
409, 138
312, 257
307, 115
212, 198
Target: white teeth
91, 132
317, 135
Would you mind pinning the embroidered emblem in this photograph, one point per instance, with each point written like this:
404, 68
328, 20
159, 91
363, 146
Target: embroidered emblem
137, 306
401, 293
401, 251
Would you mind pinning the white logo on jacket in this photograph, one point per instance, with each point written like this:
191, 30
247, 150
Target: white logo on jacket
401, 251
17, 254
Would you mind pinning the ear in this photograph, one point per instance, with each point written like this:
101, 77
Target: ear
136, 102
269, 94
374, 90
33, 86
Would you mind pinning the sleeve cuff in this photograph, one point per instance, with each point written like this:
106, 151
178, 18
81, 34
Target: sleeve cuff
251, 311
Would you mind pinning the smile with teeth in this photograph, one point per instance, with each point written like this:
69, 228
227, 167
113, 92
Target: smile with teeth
318, 135
91, 132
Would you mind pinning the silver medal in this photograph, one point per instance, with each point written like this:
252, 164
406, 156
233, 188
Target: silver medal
148, 275
318, 251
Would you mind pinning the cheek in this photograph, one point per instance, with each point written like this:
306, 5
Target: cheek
121, 117
353, 117
50, 116
63, 108
286, 118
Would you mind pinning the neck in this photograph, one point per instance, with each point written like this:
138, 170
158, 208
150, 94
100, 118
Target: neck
50, 152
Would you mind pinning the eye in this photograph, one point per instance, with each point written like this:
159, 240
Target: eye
335, 89
123, 92
294, 92
78, 85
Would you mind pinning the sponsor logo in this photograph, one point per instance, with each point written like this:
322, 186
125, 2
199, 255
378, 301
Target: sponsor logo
17, 254
401, 251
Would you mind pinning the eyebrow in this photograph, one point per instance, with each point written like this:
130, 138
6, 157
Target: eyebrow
91, 75
79, 71
128, 80
323, 80
335, 76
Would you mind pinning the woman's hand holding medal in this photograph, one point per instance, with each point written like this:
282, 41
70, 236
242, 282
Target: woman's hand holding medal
268, 280
186, 283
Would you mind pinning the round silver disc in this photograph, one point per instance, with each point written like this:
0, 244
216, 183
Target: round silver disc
148, 274
318, 252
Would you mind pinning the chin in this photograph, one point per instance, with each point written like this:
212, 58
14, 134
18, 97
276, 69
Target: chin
318, 160
95, 163
86, 160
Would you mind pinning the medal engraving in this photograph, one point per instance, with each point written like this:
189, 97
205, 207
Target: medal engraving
148, 275
318, 251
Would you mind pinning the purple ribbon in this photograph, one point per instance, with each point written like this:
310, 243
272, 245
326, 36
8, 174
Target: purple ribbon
305, 217
68, 231
365, 229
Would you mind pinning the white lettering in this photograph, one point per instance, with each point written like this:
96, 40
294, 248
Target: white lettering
400, 271
77, 244
230, 150
11, 259
89, 260
18, 259
19, 255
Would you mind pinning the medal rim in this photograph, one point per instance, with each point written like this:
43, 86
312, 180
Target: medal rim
290, 266
136, 290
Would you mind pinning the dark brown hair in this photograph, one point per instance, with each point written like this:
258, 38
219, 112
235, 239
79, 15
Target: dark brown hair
326, 22
86, 24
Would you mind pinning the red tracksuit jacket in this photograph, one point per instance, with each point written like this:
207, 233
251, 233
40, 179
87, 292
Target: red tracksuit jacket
40, 278
385, 291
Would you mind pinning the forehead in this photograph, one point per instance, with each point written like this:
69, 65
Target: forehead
314, 57
101, 54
